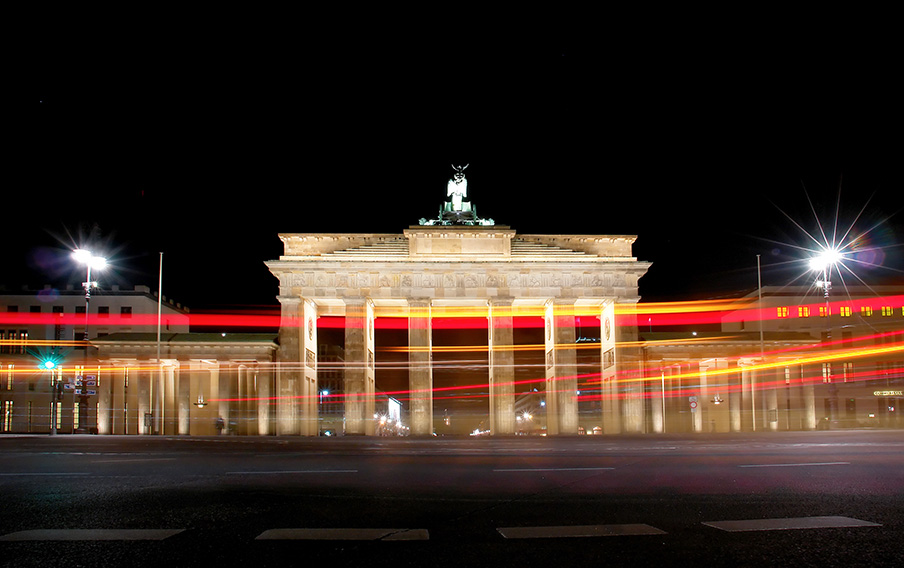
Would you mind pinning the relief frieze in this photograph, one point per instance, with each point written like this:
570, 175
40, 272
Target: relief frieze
399, 282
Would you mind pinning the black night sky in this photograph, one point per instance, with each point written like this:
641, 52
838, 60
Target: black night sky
206, 145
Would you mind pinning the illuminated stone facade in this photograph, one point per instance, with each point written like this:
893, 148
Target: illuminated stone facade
427, 269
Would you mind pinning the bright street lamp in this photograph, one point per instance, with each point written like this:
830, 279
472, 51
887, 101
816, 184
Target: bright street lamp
92, 262
823, 263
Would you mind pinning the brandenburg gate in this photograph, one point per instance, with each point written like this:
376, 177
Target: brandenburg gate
457, 260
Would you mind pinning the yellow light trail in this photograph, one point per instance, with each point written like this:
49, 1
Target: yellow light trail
828, 357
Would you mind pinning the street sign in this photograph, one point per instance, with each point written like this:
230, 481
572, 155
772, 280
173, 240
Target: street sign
68, 386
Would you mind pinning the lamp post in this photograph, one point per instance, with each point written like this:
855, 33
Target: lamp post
91, 262
86, 257
822, 264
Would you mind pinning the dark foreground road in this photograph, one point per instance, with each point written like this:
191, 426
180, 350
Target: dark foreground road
801, 499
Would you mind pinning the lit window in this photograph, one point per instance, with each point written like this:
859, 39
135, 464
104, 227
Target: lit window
827, 372
783, 311
803, 311
824, 311
7, 416
848, 371
866, 311
845, 311
887, 311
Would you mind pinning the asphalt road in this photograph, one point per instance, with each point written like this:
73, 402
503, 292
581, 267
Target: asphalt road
806, 499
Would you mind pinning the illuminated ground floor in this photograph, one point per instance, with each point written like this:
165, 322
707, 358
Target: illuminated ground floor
215, 385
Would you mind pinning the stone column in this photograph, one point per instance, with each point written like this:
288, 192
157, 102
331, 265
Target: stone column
169, 401
308, 402
211, 375
719, 403
501, 366
262, 382
657, 400
561, 368
769, 385
288, 367
359, 366
226, 377
700, 393
242, 403
808, 395
145, 380
105, 380
420, 367
609, 364
184, 402
630, 372
734, 399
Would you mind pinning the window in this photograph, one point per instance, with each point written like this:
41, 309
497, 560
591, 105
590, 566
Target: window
782, 311
866, 311
34, 309
7, 415
103, 311
12, 309
845, 311
125, 311
848, 371
824, 311
827, 372
888, 311
803, 311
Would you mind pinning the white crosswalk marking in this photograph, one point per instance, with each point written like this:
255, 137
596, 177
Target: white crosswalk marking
789, 524
344, 534
91, 534
578, 531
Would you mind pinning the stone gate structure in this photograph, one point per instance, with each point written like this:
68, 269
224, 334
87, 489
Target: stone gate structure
456, 260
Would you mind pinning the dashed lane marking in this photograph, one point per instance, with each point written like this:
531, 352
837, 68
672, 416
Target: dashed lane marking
293, 471
544, 469
42, 473
793, 464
